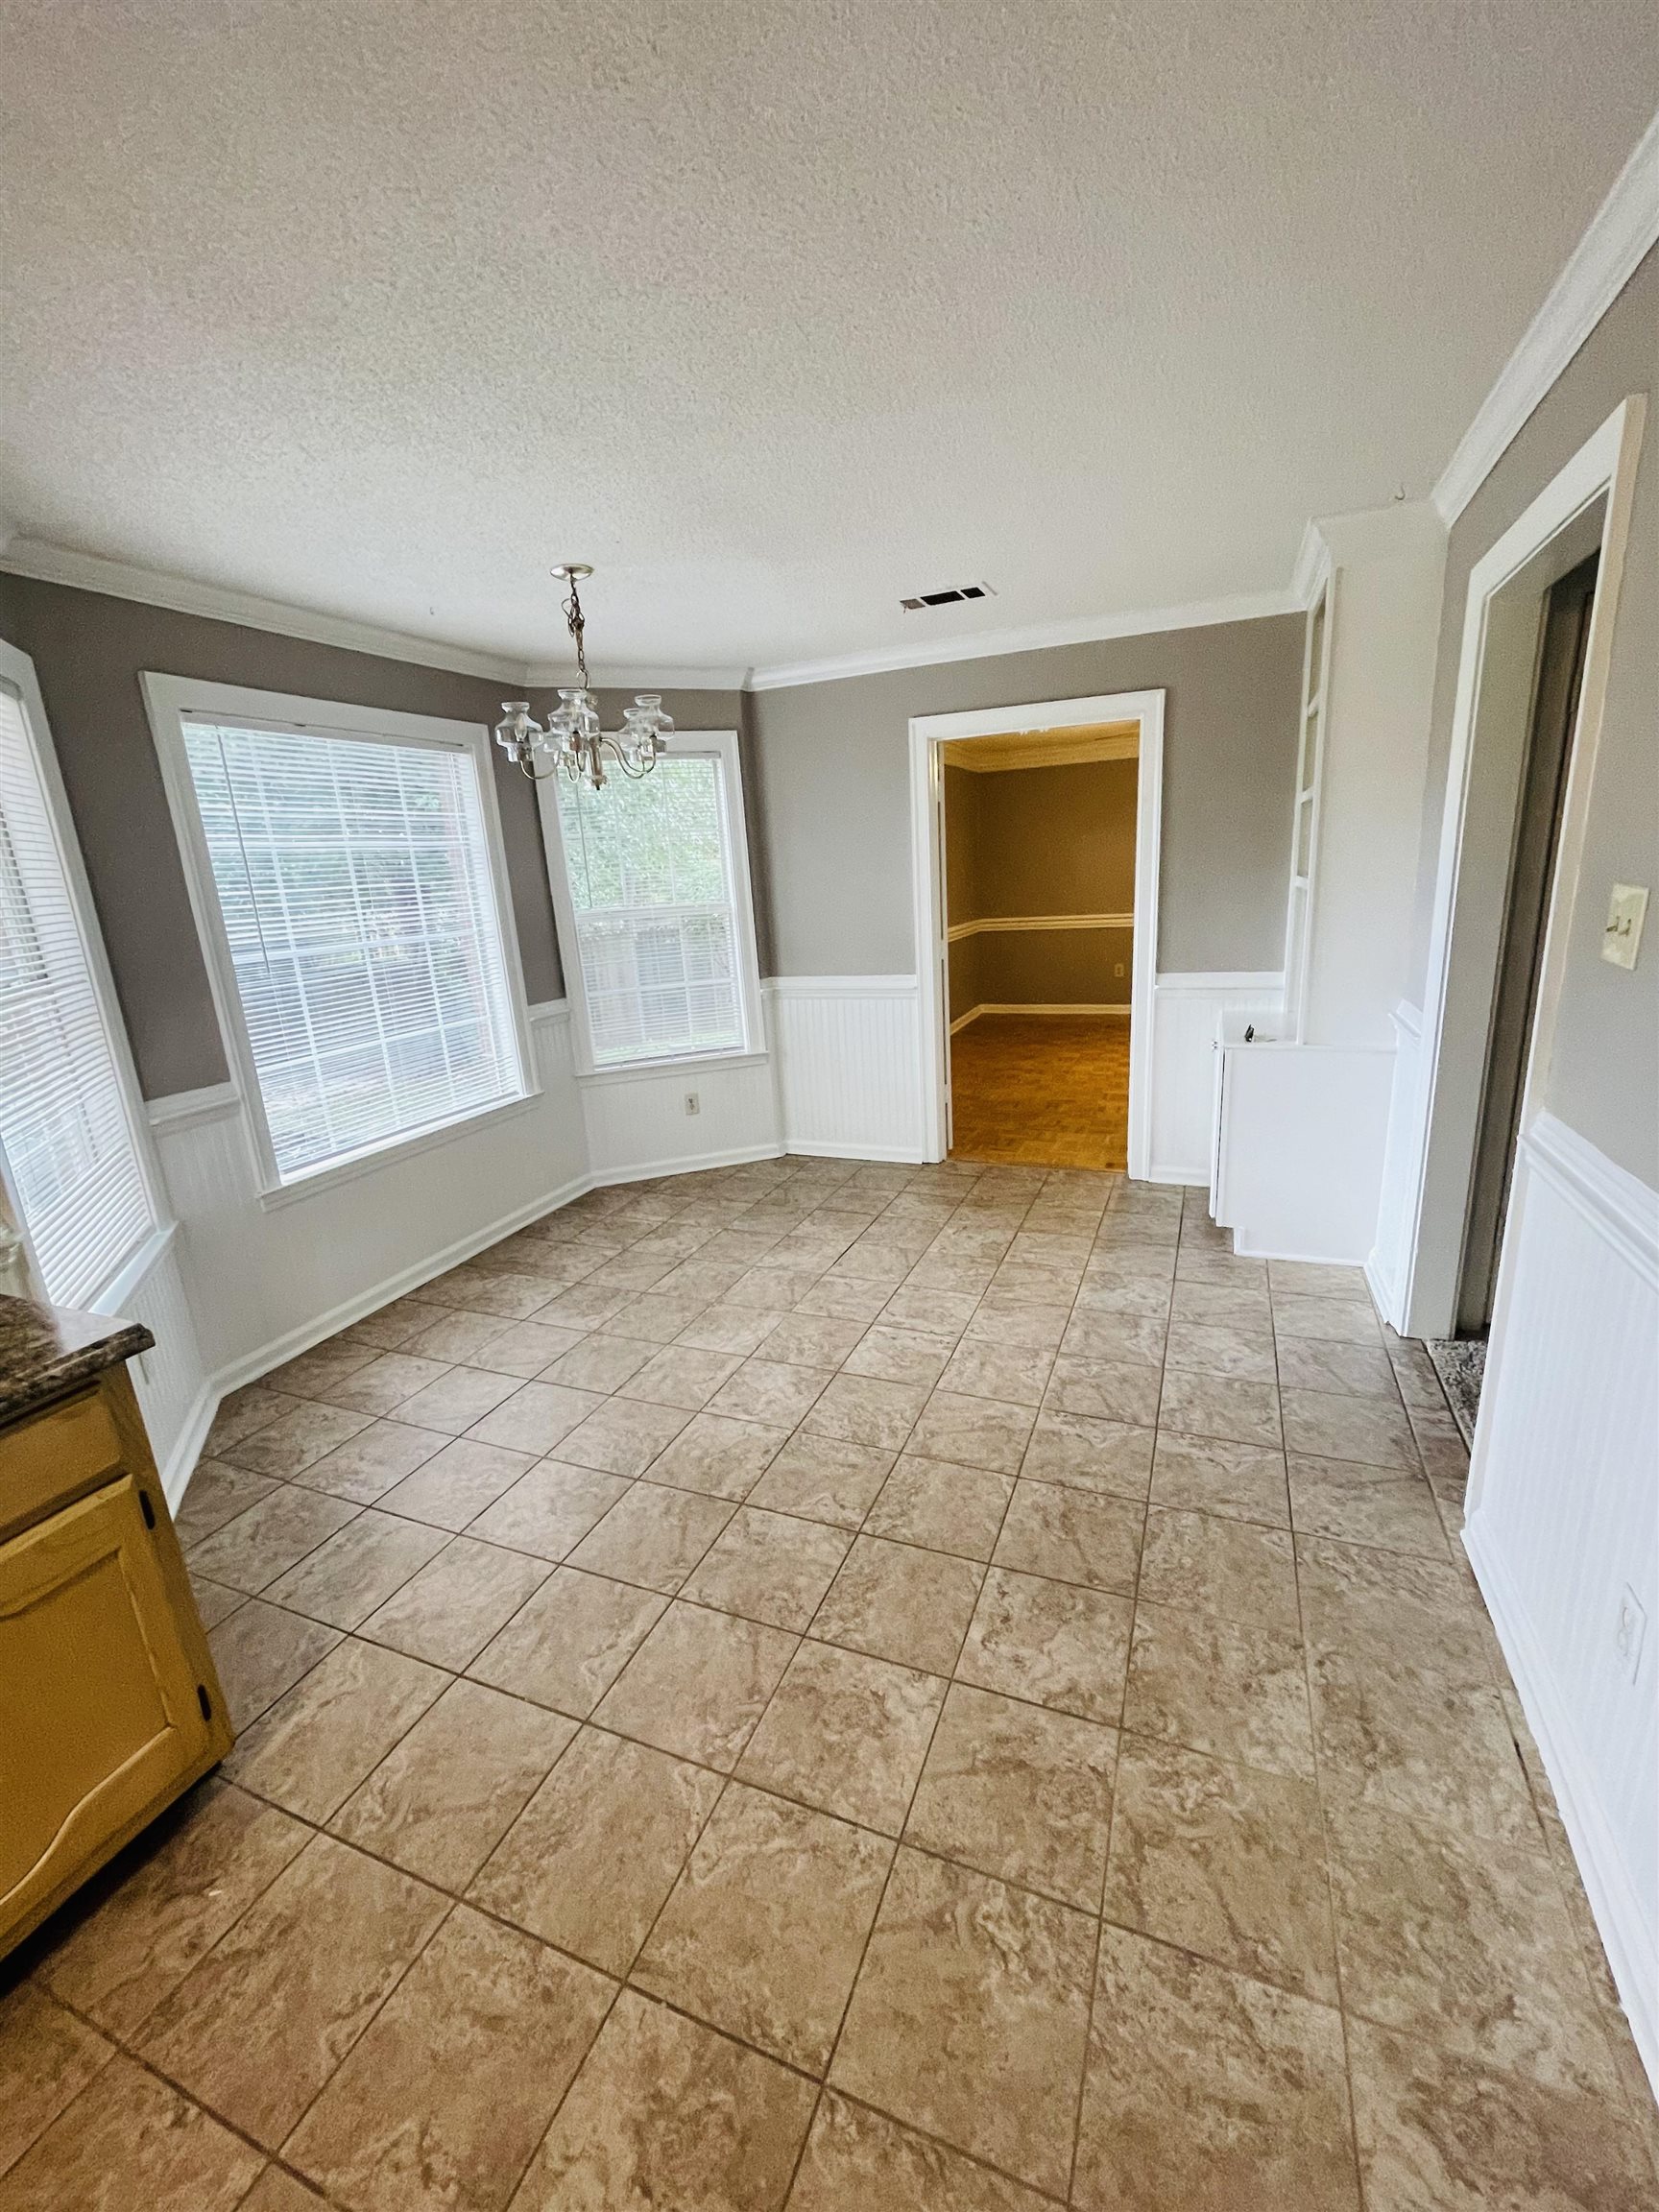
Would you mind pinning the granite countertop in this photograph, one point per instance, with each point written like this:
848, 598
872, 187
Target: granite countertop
46, 1350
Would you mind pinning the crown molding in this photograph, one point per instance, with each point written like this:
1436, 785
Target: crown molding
549, 675
1313, 560
1039, 749
1404, 526
1038, 638
1622, 230
219, 603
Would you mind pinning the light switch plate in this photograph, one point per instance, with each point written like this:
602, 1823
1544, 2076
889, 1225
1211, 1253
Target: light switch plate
1626, 911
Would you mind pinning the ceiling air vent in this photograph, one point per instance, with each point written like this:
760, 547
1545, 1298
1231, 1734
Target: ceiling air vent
951, 598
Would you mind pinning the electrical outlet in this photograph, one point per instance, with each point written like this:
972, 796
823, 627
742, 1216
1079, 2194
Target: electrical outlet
1629, 1629
694, 1105
1118, 969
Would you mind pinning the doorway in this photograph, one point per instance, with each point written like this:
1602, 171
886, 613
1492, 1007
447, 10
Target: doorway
1531, 680
1039, 893
1564, 635
1036, 839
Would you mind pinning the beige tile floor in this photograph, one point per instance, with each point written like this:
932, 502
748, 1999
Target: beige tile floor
915, 1691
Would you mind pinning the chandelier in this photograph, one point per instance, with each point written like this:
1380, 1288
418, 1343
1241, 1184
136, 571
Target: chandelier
573, 739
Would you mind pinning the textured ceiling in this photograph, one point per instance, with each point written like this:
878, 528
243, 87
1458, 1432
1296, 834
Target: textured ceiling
774, 311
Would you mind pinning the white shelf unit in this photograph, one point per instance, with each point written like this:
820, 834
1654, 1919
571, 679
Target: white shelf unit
1305, 816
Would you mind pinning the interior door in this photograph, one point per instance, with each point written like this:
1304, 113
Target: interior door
1560, 677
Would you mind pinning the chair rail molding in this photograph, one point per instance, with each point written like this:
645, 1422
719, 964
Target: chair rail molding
986, 923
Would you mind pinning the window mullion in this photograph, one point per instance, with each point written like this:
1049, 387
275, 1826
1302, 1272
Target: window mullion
443, 1025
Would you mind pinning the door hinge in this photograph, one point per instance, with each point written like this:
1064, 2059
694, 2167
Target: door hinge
149, 1511
203, 1700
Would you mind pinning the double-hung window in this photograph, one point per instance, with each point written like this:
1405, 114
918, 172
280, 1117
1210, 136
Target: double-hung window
651, 882
349, 877
67, 1101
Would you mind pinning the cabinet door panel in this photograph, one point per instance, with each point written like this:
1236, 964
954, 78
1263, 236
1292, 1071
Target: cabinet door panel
99, 1710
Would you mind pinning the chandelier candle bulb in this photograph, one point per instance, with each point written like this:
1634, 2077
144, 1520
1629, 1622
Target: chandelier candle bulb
574, 738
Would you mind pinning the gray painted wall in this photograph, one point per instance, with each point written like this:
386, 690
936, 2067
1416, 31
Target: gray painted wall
1027, 841
1057, 840
831, 794
1603, 1078
89, 651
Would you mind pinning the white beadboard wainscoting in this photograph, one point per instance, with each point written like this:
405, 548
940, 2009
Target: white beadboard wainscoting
1564, 1518
175, 1389
847, 1050
1301, 1131
263, 1282
636, 1123
1389, 1260
1187, 1008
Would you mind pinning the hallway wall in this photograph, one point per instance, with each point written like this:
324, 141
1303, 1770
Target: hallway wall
1563, 1520
1027, 842
1604, 1075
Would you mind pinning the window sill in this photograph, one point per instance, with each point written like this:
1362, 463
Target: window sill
326, 1179
639, 1071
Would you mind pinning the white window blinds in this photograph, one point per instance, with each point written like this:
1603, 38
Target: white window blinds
354, 882
63, 1116
650, 885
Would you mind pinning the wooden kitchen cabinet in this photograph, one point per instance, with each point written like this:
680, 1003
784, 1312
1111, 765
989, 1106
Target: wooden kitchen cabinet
109, 1705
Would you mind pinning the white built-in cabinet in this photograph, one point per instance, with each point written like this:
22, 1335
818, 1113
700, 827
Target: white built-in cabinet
1304, 814
1302, 1085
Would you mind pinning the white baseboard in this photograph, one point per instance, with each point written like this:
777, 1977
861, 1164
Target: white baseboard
315, 1331
1117, 1007
1383, 1290
894, 1155
1308, 1255
1185, 1174
688, 1164
187, 1448
1614, 1900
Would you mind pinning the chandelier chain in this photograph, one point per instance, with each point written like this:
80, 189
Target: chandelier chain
577, 623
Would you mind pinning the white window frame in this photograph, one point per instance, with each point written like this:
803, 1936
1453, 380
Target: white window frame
17, 670
168, 700
686, 744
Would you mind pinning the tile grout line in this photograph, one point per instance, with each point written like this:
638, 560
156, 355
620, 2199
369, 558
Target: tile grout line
1320, 1799
452, 1537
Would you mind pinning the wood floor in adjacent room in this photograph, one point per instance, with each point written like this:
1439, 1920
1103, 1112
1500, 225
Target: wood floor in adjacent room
863, 1688
1040, 1090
